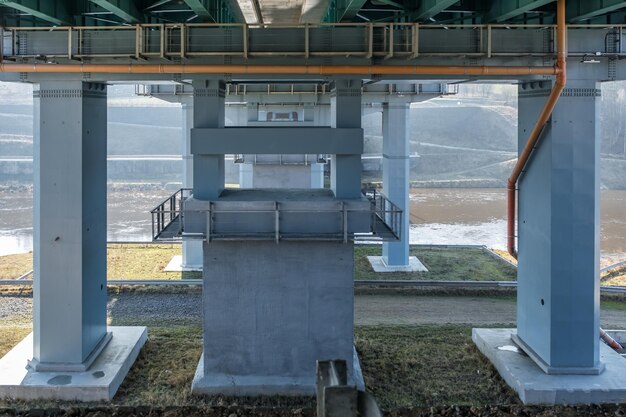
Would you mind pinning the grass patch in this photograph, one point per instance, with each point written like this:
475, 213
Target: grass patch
10, 336
13, 266
403, 367
443, 263
124, 261
615, 277
407, 366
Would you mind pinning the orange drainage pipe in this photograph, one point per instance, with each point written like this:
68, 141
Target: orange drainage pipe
609, 340
279, 69
561, 80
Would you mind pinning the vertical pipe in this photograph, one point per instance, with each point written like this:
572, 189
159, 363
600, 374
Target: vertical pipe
559, 85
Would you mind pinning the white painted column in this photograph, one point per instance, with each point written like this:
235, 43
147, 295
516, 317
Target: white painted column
192, 249
396, 131
69, 224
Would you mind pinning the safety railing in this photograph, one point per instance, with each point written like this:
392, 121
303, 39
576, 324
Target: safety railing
169, 213
389, 214
381, 220
335, 398
366, 40
279, 223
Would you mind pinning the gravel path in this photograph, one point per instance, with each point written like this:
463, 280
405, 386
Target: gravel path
160, 309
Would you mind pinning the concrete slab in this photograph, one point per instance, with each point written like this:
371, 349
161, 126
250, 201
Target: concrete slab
534, 386
176, 265
379, 265
99, 383
259, 385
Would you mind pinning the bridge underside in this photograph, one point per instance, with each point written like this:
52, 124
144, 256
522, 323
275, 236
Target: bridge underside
391, 63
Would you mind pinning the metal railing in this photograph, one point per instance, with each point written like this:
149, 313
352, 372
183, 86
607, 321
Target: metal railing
386, 211
276, 218
168, 212
382, 218
366, 40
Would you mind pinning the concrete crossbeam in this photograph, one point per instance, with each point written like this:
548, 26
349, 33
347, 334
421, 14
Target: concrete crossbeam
276, 140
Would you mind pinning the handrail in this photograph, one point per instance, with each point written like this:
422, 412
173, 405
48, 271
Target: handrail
388, 226
179, 40
165, 213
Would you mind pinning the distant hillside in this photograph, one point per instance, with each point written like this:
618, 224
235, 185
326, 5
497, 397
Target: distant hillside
469, 139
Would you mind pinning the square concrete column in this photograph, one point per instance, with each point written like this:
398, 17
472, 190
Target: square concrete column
192, 249
345, 173
69, 224
558, 304
208, 111
396, 135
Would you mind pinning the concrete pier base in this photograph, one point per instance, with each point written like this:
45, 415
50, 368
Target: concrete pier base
176, 265
271, 311
251, 385
379, 264
98, 383
534, 386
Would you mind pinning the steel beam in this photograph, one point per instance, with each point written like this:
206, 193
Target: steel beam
124, 9
351, 9
50, 11
430, 8
502, 10
199, 7
211, 12
587, 9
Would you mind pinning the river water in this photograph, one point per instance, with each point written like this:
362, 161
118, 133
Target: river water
438, 216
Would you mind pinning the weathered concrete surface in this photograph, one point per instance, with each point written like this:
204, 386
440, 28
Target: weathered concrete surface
534, 386
379, 264
99, 383
271, 311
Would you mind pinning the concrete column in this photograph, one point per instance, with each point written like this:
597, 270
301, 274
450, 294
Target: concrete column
345, 173
246, 170
208, 111
396, 135
253, 112
70, 225
558, 275
311, 114
192, 249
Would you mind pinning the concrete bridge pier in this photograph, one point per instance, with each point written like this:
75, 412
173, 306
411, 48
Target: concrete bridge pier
345, 112
208, 112
558, 303
278, 290
559, 229
280, 171
71, 354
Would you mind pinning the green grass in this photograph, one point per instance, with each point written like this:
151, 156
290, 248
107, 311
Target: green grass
403, 366
407, 366
444, 264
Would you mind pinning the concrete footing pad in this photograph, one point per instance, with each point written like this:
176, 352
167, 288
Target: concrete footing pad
379, 265
262, 385
534, 386
176, 265
99, 383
